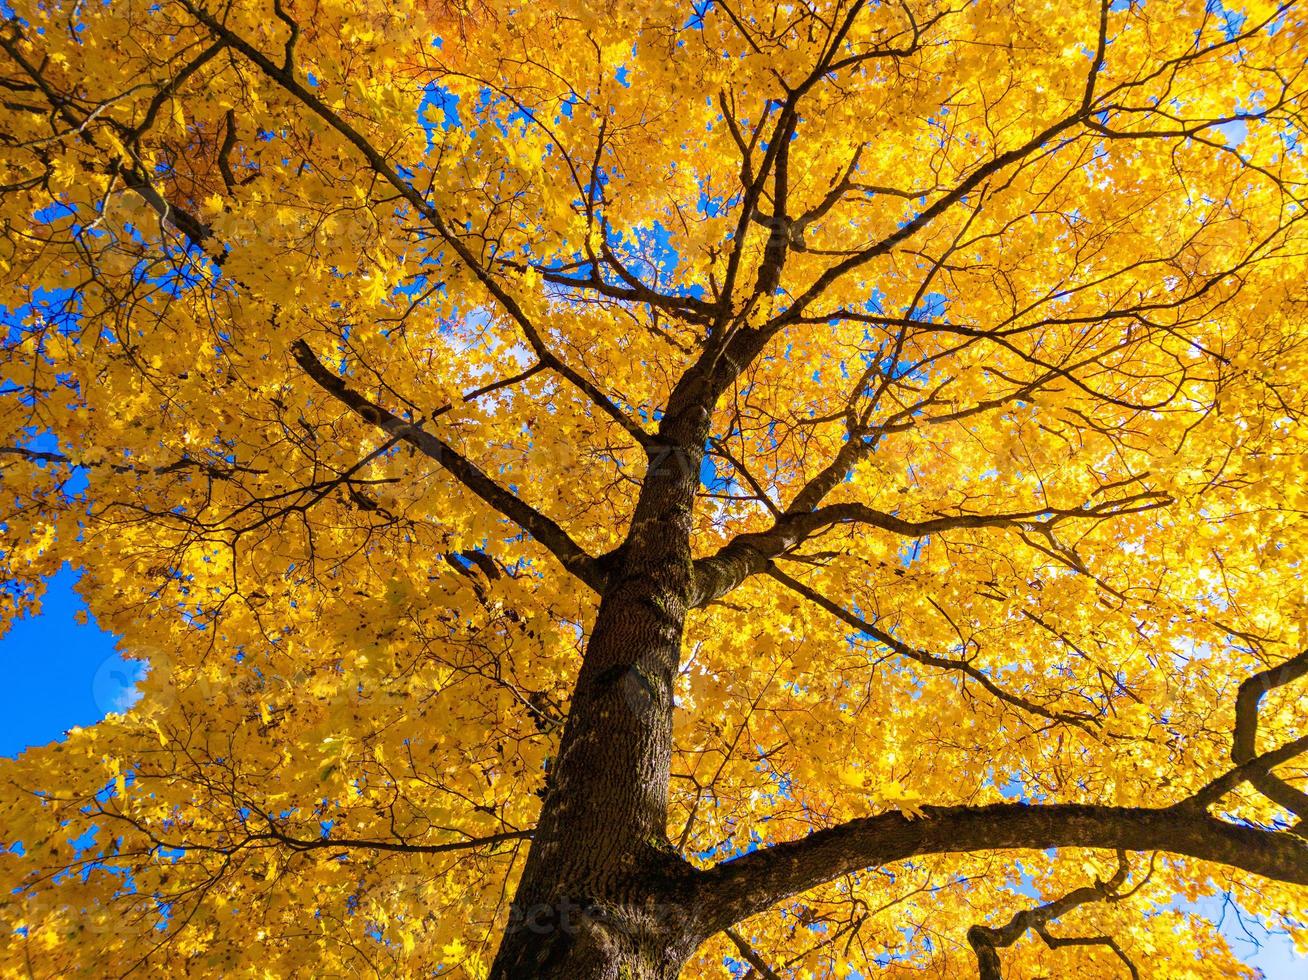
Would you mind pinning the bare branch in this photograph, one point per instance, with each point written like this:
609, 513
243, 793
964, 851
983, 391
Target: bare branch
985, 940
924, 658
542, 528
749, 554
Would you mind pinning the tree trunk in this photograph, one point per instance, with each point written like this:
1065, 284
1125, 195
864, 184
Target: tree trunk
600, 896
604, 894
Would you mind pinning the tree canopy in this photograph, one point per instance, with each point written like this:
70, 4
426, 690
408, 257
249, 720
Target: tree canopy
775, 487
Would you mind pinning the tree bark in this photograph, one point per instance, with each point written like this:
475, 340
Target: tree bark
601, 876
604, 893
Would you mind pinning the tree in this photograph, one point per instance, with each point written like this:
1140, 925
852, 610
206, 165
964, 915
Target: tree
740, 481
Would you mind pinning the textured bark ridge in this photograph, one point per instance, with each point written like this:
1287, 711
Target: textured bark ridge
567, 939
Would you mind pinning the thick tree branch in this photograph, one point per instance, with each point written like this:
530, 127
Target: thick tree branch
1255, 771
745, 886
542, 528
752, 883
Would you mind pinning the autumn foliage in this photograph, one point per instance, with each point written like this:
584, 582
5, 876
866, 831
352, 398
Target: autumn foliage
643, 435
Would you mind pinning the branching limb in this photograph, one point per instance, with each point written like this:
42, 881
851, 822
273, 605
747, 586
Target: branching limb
1257, 769
986, 941
402, 847
284, 76
747, 885
274, 836
134, 175
542, 528
1055, 942
751, 554
1245, 737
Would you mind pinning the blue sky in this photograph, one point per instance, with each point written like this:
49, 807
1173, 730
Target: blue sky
61, 673
58, 673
